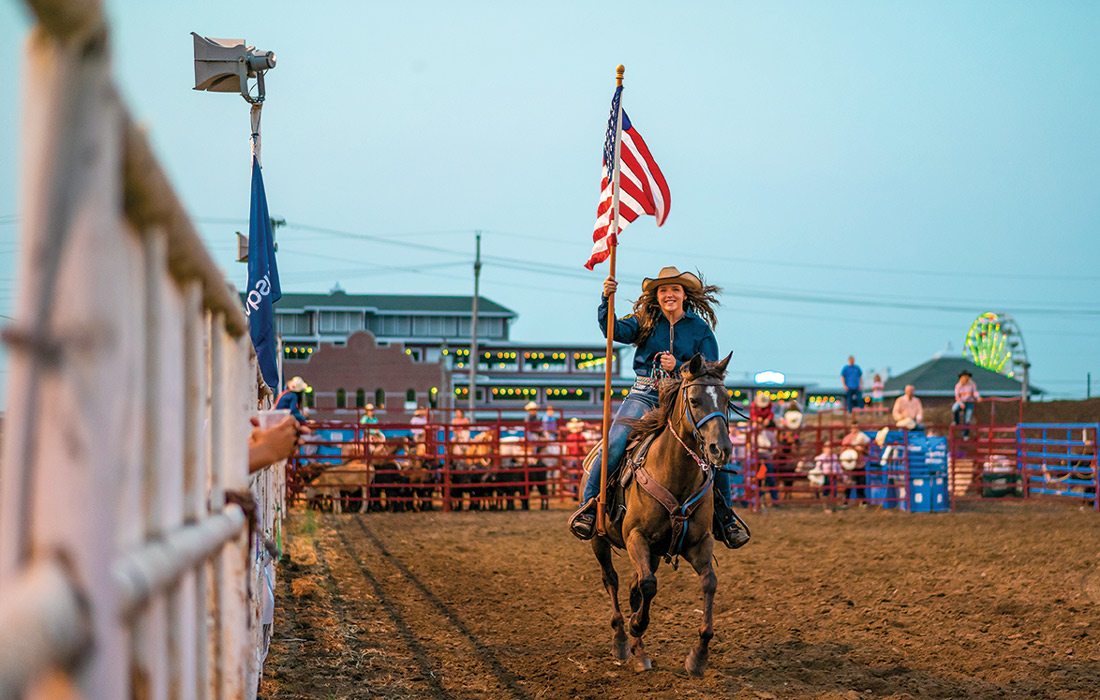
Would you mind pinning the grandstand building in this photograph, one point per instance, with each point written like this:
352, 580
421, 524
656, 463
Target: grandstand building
400, 351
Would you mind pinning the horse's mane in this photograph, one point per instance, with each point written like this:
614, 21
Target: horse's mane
655, 419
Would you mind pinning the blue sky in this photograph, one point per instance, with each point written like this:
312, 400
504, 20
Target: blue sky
860, 177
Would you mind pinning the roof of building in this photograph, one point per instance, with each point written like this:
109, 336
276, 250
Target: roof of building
937, 377
390, 303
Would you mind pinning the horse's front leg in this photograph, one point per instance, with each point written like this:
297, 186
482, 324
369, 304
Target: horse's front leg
701, 559
602, 548
641, 595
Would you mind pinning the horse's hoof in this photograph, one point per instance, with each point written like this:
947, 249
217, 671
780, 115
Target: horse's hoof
620, 649
642, 663
695, 665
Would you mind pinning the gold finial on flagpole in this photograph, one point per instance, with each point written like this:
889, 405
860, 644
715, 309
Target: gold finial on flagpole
619, 70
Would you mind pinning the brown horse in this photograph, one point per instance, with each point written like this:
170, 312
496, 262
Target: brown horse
669, 504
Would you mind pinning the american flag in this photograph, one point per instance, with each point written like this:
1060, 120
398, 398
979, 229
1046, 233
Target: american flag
642, 187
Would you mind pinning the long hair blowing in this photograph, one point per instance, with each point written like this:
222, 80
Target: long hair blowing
703, 302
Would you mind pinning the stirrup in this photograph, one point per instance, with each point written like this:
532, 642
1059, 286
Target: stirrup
731, 530
583, 522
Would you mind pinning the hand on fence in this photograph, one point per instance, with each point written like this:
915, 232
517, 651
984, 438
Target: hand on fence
267, 446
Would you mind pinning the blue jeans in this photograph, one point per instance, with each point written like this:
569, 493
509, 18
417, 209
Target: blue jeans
854, 399
636, 403
964, 414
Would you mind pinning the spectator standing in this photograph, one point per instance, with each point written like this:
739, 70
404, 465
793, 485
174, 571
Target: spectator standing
908, 411
966, 395
852, 459
550, 422
827, 465
576, 447
877, 385
852, 376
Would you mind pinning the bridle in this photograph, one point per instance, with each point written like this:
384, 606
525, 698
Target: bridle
697, 424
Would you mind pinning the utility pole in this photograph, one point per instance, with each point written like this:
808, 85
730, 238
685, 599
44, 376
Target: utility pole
474, 357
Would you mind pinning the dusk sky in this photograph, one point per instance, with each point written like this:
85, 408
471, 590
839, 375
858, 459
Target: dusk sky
859, 177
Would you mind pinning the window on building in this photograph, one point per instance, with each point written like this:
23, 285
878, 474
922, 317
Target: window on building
379, 398
360, 398
341, 398
410, 396
575, 394
399, 326
499, 359
293, 323
542, 361
339, 321
588, 362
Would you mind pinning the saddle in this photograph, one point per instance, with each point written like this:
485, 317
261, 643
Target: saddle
617, 481
632, 468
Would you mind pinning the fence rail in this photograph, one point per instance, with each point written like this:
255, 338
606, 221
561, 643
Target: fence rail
124, 568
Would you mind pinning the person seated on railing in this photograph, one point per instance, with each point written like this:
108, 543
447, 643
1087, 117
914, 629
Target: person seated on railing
966, 395
908, 411
268, 446
761, 412
368, 417
291, 398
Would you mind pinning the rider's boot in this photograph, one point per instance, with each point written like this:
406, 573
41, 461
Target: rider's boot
583, 522
729, 528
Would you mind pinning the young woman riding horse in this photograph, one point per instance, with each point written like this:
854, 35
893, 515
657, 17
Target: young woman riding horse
672, 322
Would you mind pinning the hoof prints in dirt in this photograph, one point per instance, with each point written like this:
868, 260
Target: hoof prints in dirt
981, 603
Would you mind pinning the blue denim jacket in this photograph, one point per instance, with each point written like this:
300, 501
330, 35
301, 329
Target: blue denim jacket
688, 336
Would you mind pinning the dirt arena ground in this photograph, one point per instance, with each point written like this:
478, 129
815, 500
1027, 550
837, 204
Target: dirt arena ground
998, 600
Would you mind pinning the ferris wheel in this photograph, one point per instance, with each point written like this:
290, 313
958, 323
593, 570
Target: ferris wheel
995, 342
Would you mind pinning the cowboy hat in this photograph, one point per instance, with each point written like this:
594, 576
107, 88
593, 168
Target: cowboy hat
368, 407
881, 435
849, 458
296, 384
792, 419
671, 275
907, 423
531, 406
574, 425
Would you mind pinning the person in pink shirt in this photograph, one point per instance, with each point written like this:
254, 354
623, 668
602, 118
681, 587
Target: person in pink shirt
908, 411
966, 395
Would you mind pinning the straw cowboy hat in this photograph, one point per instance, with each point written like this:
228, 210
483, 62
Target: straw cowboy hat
575, 425
792, 419
907, 423
671, 275
531, 406
368, 407
849, 459
296, 384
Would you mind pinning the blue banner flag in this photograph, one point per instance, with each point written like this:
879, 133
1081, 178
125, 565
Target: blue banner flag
263, 281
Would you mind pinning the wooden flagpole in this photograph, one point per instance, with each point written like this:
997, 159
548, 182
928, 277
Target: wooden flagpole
613, 242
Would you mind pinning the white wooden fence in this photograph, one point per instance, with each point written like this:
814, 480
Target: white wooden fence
124, 569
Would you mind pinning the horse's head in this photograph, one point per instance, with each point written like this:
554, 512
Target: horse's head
705, 407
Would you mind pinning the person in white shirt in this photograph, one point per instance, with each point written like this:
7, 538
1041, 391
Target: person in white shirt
908, 411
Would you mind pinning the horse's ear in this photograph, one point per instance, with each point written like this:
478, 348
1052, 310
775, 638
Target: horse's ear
695, 365
721, 366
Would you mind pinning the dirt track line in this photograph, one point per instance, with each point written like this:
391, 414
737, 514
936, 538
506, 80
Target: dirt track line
420, 654
505, 676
